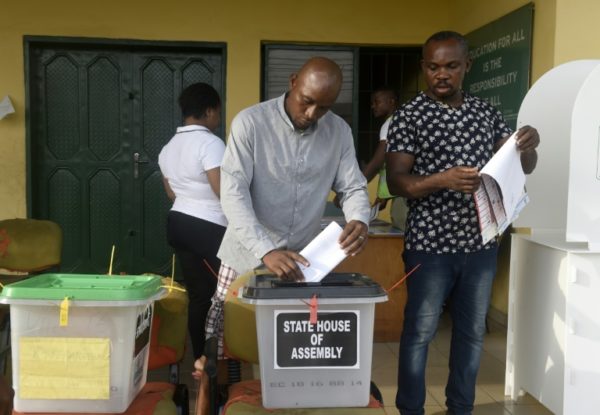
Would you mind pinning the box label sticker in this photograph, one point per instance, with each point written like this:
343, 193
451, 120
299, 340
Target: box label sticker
142, 329
330, 343
64, 368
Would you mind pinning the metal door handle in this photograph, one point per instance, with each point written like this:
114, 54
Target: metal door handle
136, 164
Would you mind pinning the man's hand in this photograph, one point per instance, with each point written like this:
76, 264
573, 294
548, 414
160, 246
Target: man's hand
199, 368
354, 237
283, 264
527, 141
527, 138
462, 179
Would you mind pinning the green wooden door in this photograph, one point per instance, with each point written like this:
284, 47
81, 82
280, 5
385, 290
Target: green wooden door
99, 115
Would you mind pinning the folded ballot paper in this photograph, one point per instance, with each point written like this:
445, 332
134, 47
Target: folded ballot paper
501, 195
323, 253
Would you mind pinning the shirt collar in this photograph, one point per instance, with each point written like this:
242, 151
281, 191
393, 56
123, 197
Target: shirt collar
192, 127
466, 100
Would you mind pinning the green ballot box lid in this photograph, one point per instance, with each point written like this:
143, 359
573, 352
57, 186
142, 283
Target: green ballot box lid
84, 287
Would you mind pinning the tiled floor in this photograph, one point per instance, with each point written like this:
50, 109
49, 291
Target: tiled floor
489, 400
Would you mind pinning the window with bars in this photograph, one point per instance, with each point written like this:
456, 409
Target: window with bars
364, 69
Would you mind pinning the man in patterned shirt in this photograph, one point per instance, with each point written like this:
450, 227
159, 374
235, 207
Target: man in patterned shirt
437, 143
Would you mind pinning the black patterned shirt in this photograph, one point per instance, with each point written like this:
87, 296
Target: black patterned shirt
440, 137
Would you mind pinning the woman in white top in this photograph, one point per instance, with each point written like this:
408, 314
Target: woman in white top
190, 164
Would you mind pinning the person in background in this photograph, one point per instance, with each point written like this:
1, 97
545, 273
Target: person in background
283, 157
190, 164
384, 101
437, 144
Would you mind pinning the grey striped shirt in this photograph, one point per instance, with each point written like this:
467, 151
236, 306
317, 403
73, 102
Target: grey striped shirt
275, 181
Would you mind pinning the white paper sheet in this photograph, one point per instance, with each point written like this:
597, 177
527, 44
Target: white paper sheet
501, 195
323, 253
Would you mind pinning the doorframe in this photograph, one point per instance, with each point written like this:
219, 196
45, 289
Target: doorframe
31, 41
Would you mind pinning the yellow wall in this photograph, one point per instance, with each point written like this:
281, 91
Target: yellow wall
563, 30
241, 24
577, 30
472, 14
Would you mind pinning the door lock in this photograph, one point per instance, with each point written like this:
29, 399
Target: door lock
136, 164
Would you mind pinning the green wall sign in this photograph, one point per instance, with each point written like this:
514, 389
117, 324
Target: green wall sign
501, 53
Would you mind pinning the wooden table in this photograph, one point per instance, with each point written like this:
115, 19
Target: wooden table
381, 260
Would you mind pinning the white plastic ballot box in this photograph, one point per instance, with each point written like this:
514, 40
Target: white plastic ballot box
80, 342
323, 361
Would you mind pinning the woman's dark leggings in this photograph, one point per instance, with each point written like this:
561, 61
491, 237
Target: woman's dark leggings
196, 242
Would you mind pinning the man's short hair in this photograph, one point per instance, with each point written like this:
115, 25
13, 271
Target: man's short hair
447, 35
388, 90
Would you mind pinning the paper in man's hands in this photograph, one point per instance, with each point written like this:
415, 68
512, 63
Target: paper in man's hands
501, 195
323, 253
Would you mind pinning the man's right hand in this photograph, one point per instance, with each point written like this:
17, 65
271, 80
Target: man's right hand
462, 179
283, 264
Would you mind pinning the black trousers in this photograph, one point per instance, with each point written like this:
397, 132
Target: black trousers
196, 242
